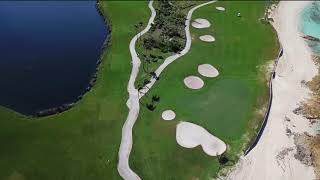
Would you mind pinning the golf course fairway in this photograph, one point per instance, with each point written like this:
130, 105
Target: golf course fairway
83, 142
227, 105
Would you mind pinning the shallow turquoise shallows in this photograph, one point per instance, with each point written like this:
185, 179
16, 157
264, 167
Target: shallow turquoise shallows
310, 24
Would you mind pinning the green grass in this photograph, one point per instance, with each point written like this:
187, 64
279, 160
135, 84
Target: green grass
226, 106
83, 142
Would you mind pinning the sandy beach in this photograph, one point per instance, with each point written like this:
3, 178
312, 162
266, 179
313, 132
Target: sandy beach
274, 155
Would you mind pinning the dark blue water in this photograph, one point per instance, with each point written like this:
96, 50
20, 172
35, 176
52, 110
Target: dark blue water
48, 52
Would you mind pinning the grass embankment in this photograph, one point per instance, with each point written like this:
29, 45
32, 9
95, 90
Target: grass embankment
226, 105
83, 142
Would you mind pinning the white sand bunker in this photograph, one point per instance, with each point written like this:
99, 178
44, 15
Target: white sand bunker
207, 38
193, 82
208, 70
190, 135
221, 8
168, 115
201, 23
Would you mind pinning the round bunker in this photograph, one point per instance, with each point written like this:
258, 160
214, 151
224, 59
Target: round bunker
168, 115
221, 8
207, 38
208, 70
201, 23
193, 82
190, 135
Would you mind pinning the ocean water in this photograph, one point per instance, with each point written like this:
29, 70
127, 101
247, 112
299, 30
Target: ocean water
48, 52
310, 24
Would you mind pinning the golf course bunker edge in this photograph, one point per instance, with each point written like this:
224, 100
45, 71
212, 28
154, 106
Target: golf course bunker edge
190, 135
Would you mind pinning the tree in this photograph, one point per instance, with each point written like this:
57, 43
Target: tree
223, 159
151, 107
146, 81
155, 98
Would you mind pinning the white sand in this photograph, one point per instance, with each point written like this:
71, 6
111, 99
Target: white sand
201, 23
133, 102
221, 8
193, 82
190, 135
294, 66
208, 70
168, 115
207, 38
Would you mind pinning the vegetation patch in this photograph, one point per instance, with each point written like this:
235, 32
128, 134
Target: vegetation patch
166, 37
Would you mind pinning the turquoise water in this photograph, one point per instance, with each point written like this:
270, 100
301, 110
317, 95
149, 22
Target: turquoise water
310, 24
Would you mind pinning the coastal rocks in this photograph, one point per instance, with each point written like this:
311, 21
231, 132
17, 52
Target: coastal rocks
311, 38
303, 154
54, 110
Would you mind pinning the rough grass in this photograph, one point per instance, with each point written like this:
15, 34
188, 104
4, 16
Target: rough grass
82, 143
226, 105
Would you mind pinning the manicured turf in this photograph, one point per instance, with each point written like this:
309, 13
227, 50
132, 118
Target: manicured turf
83, 142
226, 106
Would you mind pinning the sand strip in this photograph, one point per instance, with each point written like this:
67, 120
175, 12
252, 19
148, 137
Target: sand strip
265, 161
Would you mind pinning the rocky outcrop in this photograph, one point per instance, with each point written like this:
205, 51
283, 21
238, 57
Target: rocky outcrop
311, 38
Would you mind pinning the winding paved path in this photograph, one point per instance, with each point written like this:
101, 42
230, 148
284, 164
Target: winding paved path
133, 102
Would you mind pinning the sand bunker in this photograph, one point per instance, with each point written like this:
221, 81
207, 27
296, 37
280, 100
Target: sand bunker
168, 115
190, 135
221, 8
207, 38
193, 82
208, 70
200, 23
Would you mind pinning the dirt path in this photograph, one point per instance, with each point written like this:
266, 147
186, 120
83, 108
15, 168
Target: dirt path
133, 102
